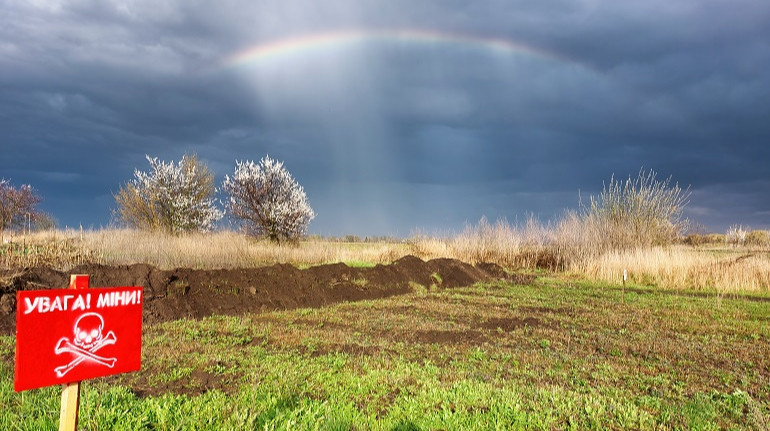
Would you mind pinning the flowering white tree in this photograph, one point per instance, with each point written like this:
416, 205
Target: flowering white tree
267, 200
736, 234
172, 197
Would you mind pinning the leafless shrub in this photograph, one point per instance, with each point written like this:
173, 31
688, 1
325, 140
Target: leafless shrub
695, 239
639, 212
44, 222
635, 213
171, 197
715, 238
267, 200
17, 205
758, 238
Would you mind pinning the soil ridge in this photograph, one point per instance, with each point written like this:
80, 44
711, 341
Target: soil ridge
194, 293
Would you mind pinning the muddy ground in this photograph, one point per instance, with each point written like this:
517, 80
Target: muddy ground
188, 293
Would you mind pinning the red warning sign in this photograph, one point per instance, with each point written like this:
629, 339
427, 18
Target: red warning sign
69, 335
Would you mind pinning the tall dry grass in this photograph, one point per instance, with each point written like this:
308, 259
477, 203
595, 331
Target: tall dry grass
200, 251
37, 250
530, 245
567, 246
579, 246
511, 246
682, 267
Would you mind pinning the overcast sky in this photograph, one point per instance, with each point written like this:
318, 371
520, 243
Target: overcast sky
396, 115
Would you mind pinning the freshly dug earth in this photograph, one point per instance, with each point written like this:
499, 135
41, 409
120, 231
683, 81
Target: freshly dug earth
188, 293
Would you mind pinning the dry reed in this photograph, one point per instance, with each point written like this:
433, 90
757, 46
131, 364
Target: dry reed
201, 251
567, 246
683, 267
579, 247
527, 246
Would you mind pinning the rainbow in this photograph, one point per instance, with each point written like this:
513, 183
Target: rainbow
319, 41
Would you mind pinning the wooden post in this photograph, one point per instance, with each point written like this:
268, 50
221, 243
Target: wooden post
70, 403
70, 396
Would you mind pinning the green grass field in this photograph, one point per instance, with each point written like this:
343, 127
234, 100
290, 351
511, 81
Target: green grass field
560, 354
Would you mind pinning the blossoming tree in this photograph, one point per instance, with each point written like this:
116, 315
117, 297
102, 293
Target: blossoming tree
171, 197
267, 200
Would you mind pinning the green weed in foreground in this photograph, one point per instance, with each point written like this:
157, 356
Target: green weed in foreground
551, 356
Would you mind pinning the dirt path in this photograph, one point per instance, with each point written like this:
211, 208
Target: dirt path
188, 293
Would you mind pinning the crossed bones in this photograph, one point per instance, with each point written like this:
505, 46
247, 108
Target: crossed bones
65, 346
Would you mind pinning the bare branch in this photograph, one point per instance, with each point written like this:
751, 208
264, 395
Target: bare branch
17, 205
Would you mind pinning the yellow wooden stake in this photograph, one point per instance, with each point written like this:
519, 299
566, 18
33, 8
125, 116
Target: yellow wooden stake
70, 403
70, 396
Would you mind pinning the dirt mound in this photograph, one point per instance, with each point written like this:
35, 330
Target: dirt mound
189, 293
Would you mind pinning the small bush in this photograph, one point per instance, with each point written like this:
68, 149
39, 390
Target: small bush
715, 238
695, 239
18, 205
638, 212
699, 239
44, 222
758, 238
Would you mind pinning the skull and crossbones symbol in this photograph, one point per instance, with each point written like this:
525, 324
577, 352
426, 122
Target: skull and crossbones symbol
87, 340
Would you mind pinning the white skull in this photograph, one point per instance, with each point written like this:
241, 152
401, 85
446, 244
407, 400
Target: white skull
88, 330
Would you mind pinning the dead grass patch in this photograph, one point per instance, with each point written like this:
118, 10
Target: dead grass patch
683, 268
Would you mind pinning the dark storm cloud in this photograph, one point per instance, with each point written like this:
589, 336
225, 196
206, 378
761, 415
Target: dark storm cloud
387, 138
